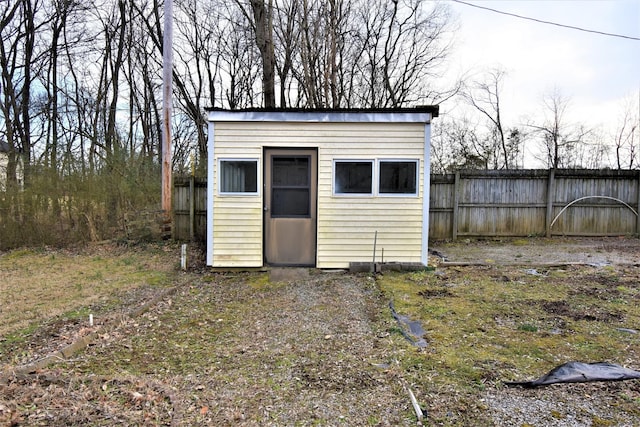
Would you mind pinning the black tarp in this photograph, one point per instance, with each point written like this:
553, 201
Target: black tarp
578, 372
411, 329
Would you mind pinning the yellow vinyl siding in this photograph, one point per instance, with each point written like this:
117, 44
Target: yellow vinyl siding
237, 220
347, 227
237, 231
346, 224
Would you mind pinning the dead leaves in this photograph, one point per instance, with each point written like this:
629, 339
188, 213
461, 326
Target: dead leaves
55, 398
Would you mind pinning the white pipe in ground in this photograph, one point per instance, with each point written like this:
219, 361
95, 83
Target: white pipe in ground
183, 257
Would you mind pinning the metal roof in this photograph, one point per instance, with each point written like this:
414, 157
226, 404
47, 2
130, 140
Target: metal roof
421, 114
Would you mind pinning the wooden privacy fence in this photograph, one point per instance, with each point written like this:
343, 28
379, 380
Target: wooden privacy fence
534, 202
190, 209
492, 203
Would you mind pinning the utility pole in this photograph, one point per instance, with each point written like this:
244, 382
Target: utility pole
167, 88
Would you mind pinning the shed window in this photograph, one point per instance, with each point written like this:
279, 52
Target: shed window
291, 186
353, 177
238, 176
398, 177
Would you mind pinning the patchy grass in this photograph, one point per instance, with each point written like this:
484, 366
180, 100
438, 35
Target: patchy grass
243, 350
39, 285
487, 325
235, 348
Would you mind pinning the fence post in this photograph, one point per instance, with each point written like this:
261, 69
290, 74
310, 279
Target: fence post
456, 200
192, 207
638, 208
550, 196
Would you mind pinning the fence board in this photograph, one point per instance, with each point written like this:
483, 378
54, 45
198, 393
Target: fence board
190, 209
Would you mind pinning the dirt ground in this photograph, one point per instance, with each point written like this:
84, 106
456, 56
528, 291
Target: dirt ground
236, 349
542, 251
228, 350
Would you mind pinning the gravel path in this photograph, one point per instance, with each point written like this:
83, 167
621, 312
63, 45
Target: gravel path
565, 405
310, 352
318, 342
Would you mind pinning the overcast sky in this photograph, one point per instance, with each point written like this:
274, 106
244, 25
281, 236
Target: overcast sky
595, 71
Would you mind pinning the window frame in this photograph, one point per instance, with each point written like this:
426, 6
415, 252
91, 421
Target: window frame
308, 187
379, 177
371, 162
222, 193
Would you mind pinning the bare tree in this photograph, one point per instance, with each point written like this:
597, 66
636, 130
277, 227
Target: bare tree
400, 49
64, 34
19, 25
459, 144
285, 32
311, 56
239, 60
197, 57
143, 81
324, 55
560, 138
627, 134
99, 64
76, 40
193, 72
351, 53
485, 97
593, 151
261, 18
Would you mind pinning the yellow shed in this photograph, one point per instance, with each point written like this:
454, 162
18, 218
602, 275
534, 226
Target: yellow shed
318, 187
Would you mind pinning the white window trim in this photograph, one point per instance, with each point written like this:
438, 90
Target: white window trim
236, 194
373, 178
377, 183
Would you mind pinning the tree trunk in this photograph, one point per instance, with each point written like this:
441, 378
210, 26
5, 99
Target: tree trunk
263, 18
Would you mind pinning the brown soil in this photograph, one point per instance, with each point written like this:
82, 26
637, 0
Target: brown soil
542, 251
563, 308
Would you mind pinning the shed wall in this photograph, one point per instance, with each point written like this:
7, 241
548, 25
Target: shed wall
346, 224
